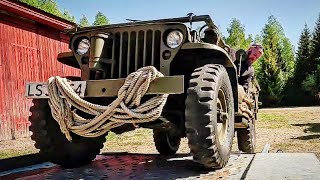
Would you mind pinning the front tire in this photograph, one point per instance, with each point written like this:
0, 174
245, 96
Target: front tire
52, 142
210, 116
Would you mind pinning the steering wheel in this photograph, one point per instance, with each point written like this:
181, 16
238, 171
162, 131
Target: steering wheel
202, 28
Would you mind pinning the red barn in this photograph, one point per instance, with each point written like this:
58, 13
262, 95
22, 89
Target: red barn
30, 40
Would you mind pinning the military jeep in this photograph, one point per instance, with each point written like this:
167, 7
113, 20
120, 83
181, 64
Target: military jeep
200, 76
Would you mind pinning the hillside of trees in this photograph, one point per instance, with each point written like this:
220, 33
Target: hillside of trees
287, 77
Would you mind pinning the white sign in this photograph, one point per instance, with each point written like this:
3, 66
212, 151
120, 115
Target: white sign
40, 90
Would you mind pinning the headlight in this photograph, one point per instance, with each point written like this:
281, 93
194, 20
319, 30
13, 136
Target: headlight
174, 39
83, 46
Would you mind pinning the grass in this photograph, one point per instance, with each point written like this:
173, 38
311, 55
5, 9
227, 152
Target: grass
299, 147
132, 138
9, 153
290, 129
111, 136
18, 147
273, 120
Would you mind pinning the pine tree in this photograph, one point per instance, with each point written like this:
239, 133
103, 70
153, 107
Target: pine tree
312, 82
68, 16
276, 65
315, 45
236, 38
303, 65
100, 19
249, 40
84, 21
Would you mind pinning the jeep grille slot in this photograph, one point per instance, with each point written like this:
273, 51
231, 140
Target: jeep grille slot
132, 50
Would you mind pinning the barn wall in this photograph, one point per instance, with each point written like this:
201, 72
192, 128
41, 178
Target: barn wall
28, 52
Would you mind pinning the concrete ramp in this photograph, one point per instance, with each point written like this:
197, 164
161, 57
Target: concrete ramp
284, 166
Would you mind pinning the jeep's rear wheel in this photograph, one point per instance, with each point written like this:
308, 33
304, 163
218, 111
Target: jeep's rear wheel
210, 116
166, 142
53, 144
247, 138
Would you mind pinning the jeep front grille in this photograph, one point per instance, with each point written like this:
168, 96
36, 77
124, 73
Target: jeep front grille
132, 50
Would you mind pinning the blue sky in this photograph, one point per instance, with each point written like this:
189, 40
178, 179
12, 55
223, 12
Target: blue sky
292, 14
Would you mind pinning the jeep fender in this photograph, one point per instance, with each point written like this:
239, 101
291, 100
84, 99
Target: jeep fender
225, 61
68, 59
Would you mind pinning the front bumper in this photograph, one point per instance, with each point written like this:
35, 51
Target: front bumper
110, 87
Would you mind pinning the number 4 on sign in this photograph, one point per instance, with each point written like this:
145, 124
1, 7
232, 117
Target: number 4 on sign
77, 88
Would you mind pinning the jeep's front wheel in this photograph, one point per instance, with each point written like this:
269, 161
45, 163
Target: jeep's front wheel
210, 116
52, 142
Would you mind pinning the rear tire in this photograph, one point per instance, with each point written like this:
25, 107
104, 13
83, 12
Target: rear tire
166, 143
52, 142
210, 116
247, 138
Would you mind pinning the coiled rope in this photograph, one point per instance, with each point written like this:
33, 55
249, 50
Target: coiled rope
126, 108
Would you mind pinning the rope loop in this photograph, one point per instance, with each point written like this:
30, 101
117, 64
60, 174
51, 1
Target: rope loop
126, 108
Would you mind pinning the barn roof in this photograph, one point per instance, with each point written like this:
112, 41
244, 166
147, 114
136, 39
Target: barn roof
35, 14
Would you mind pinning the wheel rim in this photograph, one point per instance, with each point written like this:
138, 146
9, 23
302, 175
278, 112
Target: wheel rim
222, 118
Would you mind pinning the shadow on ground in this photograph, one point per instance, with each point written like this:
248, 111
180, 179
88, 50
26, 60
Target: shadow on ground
309, 137
310, 127
20, 161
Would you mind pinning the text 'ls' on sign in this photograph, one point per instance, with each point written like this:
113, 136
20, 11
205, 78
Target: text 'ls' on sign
40, 90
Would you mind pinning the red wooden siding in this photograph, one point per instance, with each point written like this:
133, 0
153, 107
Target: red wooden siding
28, 52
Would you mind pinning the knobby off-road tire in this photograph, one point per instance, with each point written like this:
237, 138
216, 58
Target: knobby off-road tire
166, 143
209, 137
53, 144
247, 138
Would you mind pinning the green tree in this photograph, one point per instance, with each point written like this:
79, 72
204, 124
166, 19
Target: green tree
237, 38
315, 45
258, 39
68, 16
277, 63
84, 21
287, 56
249, 40
312, 82
50, 6
303, 65
34, 3
100, 19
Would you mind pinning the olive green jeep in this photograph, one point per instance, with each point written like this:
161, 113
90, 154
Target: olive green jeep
200, 76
